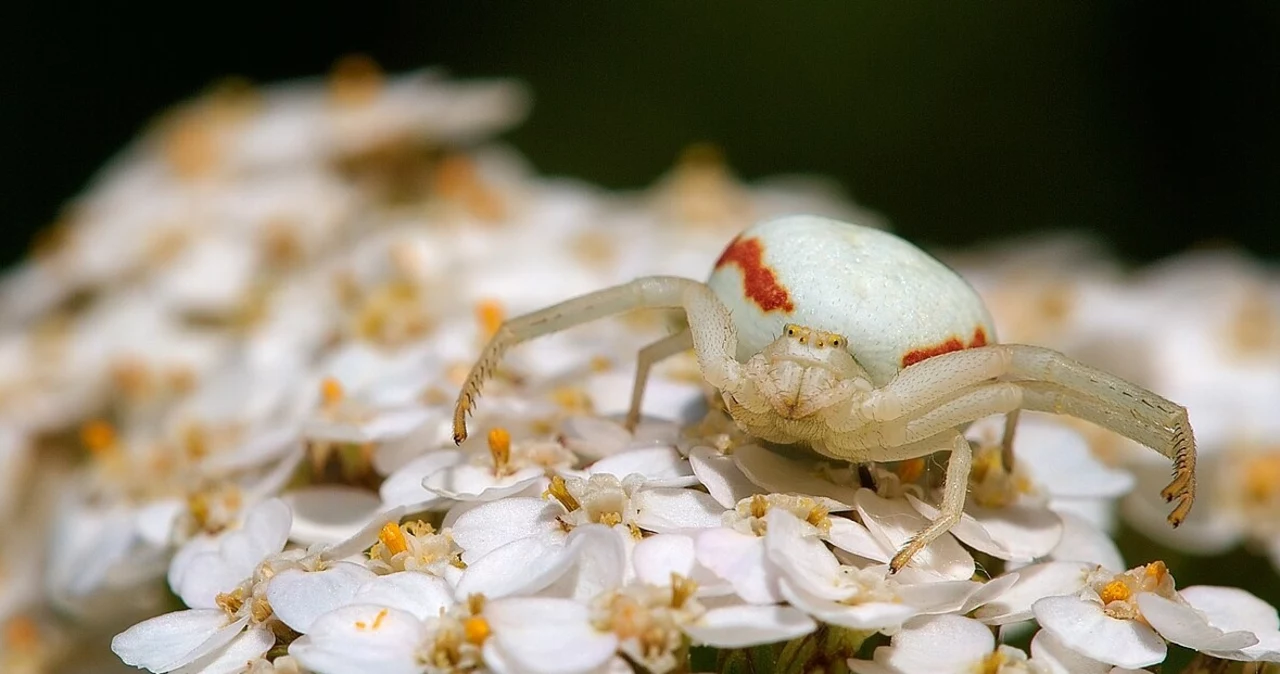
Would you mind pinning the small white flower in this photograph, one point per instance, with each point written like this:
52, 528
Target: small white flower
1125, 619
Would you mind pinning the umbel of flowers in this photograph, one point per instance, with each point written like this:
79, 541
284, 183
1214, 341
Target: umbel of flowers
229, 376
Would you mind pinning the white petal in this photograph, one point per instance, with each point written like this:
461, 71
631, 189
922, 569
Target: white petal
1049, 579
721, 476
169, 641
361, 639
803, 558
492, 525
742, 626
740, 559
548, 636
1050, 652
937, 644
1231, 608
670, 510
521, 566
466, 482
1018, 532
155, 520
1082, 626
329, 514
779, 474
248, 646
363, 538
868, 616
852, 537
421, 594
404, 487
1059, 460
660, 466
657, 557
299, 597
1084, 542
894, 522
598, 562
265, 530
1185, 626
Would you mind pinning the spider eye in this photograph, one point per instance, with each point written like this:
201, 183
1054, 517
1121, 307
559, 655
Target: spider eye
835, 343
791, 332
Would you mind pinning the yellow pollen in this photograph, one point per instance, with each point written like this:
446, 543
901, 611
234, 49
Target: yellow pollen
1261, 478
356, 79
818, 517
682, 590
609, 519
475, 630
759, 506
601, 364
1116, 590
490, 316
1157, 570
98, 436
992, 663
500, 447
572, 399
377, 620
392, 537
456, 179
21, 633
331, 392
230, 602
910, 470
560, 492
190, 145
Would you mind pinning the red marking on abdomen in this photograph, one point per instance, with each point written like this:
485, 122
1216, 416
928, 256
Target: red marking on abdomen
759, 283
952, 344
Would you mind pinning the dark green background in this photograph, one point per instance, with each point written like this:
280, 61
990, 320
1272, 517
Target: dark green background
1152, 123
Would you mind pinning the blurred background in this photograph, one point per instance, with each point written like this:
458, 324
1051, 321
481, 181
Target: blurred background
1152, 124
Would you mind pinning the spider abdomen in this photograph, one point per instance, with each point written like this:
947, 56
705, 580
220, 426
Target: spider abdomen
896, 304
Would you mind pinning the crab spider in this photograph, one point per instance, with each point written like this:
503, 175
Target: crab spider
860, 346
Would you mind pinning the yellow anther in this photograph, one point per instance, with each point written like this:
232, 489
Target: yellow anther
1116, 590
356, 79
456, 179
572, 399
1261, 478
377, 620
560, 492
682, 589
98, 436
393, 538
500, 448
601, 364
759, 506
490, 315
992, 663
818, 517
910, 470
609, 519
230, 602
475, 630
331, 392
190, 144
21, 634
1157, 570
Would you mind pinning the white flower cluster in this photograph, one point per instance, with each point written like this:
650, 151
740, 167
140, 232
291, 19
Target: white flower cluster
236, 360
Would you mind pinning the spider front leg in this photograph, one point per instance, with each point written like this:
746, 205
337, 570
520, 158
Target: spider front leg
953, 389
714, 338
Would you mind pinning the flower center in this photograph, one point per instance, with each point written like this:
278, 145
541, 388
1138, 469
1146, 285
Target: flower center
393, 538
1117, 593
1260, 482
991, 483
99, 437
331, 393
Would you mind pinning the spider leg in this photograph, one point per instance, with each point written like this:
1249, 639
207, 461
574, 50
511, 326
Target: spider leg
711, 327
1006, 440
951, 509
649, 356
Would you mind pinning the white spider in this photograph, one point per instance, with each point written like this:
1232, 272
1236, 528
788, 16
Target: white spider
864, 348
